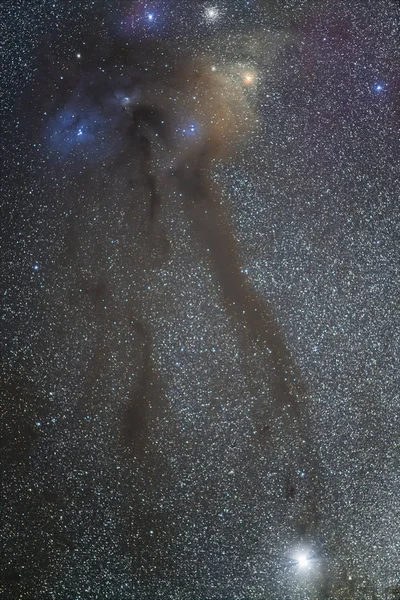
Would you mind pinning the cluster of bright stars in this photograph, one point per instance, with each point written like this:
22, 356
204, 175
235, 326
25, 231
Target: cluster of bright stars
211, 14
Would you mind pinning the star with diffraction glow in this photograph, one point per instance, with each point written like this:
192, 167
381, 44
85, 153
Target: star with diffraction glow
248, 78
302, 561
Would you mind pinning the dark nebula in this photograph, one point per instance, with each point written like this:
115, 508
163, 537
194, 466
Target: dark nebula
200, 346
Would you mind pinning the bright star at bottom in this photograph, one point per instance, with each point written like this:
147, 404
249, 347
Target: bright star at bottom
302, 561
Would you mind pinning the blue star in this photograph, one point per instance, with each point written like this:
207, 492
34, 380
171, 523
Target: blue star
190, 130
36, 267
379, 87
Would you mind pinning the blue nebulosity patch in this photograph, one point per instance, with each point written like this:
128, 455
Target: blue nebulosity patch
191, 129
83, 132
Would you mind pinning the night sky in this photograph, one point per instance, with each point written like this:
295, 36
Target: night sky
200, 343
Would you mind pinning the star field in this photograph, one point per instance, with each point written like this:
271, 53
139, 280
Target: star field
200, 325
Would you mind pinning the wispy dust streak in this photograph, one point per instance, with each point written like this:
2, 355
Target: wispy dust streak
202, 201
158, 104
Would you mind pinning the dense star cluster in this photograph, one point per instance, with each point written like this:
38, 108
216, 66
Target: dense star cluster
200, 329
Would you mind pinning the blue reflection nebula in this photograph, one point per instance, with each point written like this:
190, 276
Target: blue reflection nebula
84, 133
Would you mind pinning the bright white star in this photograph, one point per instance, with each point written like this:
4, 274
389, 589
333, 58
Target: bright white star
303, 560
